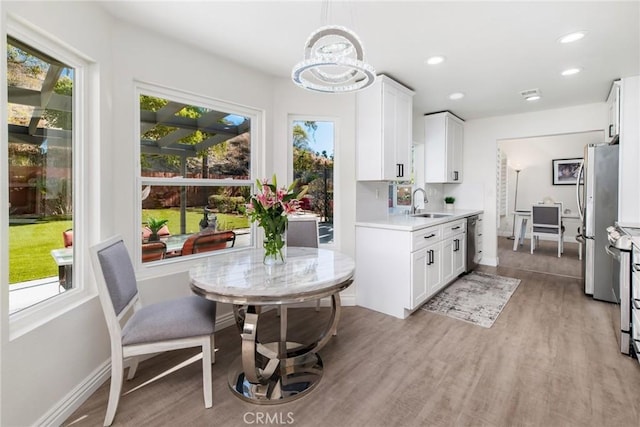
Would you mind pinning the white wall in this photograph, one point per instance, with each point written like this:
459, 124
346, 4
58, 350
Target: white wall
534, 157
480, 164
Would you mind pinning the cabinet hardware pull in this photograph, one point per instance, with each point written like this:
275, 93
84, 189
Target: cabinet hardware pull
455, 228
610, 131
455, 175
400, 170
430, 236
430, 257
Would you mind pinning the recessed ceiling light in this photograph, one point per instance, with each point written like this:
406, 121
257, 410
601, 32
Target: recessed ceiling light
435, 60
572, 37
532, 98
571, 71
456, 95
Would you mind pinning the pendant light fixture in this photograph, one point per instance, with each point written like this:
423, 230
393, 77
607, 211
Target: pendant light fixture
333, 61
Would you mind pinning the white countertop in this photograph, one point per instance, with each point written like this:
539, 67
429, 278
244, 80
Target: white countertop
405, 222
632, 230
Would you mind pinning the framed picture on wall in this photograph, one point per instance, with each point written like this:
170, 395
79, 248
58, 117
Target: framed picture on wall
565, 171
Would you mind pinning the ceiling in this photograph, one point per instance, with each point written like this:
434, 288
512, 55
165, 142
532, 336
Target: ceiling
493, 50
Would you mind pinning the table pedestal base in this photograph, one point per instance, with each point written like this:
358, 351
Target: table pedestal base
291, 380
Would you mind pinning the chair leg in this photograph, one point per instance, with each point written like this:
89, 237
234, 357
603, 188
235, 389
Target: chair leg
116, 388
207, 349
213, 349
559, 246
533, 242
580, 251
133, 367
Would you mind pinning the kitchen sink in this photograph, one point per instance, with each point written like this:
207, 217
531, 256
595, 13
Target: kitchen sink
432, 215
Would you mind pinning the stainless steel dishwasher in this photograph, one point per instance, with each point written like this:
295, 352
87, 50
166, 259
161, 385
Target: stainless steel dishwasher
472, 222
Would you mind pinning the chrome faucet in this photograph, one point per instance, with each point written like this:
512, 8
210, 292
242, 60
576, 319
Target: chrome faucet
413, 199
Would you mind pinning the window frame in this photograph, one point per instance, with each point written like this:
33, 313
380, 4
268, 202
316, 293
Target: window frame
336, 167
85, 181
256, 116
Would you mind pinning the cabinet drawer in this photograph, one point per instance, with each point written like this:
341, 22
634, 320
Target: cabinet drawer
425, 237
635, 326
635, 286
454, 227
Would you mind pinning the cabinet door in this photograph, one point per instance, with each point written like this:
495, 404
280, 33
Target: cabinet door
444, 136
457, 137
447, 260
459, 254
613, 104
404, 119
434, 269
390, 169
419, 267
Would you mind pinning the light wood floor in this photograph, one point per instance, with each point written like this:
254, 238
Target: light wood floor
550, 359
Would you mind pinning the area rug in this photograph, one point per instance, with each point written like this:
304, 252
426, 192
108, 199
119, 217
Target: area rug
477, 298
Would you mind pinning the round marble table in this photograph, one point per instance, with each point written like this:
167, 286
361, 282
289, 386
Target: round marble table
281, 371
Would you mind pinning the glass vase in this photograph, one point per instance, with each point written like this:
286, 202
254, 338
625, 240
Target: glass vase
275, 248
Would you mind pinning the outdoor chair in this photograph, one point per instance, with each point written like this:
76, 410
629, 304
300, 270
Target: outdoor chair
153, 251
547, 220
206, 241
175, 324
67, 237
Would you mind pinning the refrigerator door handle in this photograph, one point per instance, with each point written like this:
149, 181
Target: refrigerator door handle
580, 205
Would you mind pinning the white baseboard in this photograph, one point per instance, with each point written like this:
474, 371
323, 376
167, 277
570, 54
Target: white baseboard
59, 413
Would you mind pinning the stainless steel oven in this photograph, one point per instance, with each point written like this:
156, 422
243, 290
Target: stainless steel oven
619, 248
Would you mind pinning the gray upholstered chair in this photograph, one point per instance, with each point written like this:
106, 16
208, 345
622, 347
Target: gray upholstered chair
303, 233
546, 219
169, 325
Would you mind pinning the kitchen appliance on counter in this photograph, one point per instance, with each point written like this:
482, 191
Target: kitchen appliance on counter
619, 249
597, 197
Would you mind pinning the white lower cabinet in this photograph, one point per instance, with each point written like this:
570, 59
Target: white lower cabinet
454, 250
419, 274
435, 280
397, 271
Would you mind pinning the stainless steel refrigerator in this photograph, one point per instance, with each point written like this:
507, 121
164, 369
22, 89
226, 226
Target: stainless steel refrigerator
598, 205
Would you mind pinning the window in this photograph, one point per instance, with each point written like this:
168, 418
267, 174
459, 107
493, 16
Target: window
313, 159
400, 191
41, 139
195, 173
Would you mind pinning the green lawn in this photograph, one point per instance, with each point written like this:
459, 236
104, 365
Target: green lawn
30, 245
30, 248
194, 215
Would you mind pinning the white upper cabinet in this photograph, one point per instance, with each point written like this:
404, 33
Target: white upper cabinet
613, 104
383, 131
444, 136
